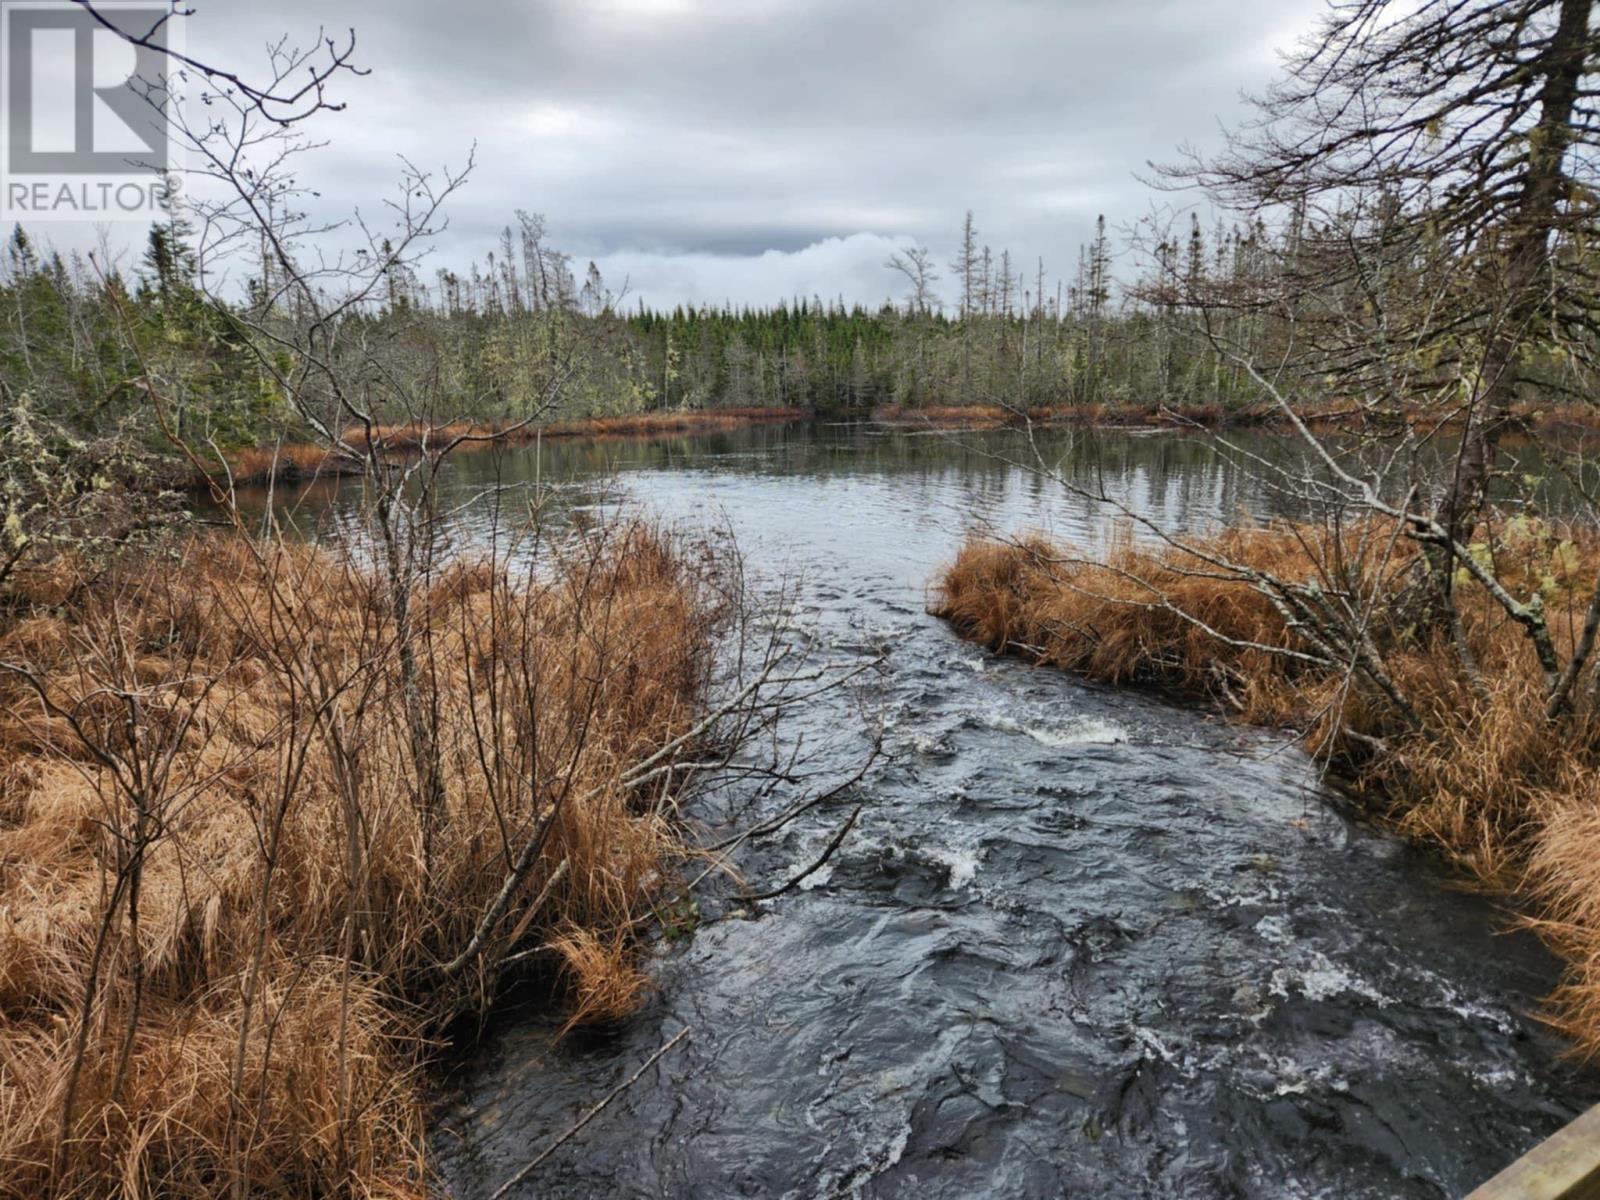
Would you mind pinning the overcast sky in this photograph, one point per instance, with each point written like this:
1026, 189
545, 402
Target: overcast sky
749, 150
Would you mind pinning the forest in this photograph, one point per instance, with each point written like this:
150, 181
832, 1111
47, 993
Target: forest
77, 335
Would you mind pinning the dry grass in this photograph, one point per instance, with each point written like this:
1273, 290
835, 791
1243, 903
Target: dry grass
645, 424
1509, 794
262, 1005
1575, 421
290, 463
655, 424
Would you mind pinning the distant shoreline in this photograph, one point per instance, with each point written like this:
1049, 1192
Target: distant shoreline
306, 462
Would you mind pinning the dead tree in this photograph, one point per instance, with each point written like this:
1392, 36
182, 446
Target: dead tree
1456, 132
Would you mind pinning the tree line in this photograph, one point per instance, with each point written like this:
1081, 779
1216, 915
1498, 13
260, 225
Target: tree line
77, 333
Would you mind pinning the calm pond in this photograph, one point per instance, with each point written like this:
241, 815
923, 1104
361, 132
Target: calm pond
1081, 942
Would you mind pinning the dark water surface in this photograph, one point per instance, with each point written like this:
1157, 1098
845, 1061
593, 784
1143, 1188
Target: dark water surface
1081, 943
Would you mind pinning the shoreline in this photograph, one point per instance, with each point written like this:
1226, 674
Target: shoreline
304, 462
1531, 420
1104, 416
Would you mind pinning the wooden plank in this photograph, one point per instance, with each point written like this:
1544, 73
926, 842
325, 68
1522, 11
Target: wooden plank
1565, 1166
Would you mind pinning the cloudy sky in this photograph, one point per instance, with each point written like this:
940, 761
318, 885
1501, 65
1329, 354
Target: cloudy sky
747, 150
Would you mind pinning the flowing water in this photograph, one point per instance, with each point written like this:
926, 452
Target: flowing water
1082, 942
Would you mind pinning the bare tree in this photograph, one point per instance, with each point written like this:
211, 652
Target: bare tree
916, 264
965, 267
1456, 132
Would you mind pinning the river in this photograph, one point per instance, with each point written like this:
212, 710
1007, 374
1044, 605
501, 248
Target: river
1082, 942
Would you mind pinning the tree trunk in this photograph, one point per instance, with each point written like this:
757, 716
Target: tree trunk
1526, 280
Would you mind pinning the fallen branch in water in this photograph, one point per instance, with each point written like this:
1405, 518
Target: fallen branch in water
590, 1115
834, 844
774, 824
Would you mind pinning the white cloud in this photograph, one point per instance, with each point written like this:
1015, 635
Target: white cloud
853, 266
563, 121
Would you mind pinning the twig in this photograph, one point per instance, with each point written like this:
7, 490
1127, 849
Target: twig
589, 1116
833, 845
771, 826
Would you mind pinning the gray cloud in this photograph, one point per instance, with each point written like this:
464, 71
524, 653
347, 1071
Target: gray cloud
754, 149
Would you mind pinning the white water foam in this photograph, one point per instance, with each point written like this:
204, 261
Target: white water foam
1085, 731
1078, 731
961, 860
1322, 979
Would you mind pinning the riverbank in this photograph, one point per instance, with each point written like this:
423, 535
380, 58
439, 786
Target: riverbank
256, 863
1510, 795
303, 462
1564, 421
1115, 416
298, 463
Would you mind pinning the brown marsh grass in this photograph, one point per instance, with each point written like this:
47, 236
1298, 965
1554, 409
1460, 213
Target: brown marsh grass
290, 463
226, 937
416, 436
1508, 793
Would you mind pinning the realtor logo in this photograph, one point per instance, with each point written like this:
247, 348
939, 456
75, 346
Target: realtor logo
83, 111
